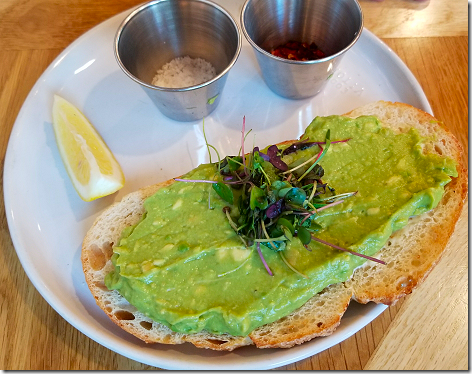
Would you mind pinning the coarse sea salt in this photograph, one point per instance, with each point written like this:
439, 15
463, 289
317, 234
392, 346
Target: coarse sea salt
184, 72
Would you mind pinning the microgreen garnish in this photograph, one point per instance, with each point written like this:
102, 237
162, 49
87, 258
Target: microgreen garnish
347, 250
235, 269
276, 202
242, 143
300, 146
274, 158
206, 141
194, 180
290, 266
225, 192
305, 163
321, 155
258, 246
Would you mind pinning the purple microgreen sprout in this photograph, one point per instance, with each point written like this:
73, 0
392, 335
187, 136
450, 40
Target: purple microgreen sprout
272, 151
245, 138
347, 250
262, 154
304, 144
307, 216
337, 202
275, 159
275, 209
241, 181
194, 180
334, 141
258, 246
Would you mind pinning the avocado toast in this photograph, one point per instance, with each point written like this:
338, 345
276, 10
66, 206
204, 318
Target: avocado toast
409, 254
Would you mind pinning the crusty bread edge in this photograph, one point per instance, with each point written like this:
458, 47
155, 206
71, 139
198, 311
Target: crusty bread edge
438, 234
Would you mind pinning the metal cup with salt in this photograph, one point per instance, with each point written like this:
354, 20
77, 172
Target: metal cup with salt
160, 31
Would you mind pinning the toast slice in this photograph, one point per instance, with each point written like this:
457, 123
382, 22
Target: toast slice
410, 253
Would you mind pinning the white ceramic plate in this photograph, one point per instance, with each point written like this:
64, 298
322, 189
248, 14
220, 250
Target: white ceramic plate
48, 220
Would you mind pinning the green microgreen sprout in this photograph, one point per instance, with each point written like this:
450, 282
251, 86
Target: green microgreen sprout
243, 155
204, 137
290, 266
339, 196
313, 191
321, 155
304, 163
227, 211
264, 230
235, 269
225, 192
271, 240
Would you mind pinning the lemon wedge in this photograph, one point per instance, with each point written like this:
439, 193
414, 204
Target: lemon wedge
91, 166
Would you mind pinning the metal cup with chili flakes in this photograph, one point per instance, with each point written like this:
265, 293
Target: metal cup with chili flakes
299, 43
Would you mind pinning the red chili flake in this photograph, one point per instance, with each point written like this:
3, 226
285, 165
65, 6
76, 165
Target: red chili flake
293, 50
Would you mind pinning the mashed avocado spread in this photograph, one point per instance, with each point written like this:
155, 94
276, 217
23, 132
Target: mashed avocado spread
183, 264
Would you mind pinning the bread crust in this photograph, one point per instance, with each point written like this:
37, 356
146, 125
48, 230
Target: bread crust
411, 254
413, 251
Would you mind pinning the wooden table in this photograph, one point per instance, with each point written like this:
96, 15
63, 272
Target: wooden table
427, 330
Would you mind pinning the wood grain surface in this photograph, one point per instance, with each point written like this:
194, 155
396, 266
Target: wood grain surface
427, 330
